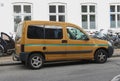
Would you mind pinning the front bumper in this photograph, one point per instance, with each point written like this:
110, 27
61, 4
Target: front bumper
110, 51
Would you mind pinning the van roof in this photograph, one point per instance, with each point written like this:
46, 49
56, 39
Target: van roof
50, 22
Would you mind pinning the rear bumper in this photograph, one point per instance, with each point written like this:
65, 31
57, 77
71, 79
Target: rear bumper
15, 57
24, 56
110, 51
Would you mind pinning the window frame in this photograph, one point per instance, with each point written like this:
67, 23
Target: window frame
116, 13
22, 14
88, 14
57, 14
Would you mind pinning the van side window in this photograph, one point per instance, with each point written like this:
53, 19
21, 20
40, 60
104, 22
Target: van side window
35, 32
44, 32
53, 32
75, 34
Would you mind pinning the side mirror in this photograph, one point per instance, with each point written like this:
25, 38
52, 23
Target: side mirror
85, 37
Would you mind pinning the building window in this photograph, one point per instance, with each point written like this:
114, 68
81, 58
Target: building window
22, 12
115, 16
88, 16
57, 12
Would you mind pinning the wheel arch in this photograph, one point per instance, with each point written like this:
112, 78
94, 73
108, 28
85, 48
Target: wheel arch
38, 52
102, 49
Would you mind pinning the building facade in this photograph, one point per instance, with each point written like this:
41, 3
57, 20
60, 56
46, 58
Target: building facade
91, 15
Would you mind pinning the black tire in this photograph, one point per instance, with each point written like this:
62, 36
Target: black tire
35, 61
23, 62
1, 50
10, 53
100, 56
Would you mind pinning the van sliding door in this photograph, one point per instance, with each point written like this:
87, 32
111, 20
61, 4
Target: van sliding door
54, 47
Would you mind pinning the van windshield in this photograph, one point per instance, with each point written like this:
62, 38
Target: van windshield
19, 31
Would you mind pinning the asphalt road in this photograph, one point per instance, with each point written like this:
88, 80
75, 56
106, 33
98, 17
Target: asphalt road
70, 71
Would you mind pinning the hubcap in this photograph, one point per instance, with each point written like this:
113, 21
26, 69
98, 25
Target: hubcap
36, 61
102, 57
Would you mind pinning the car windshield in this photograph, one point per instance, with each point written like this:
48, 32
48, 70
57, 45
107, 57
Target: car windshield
19, 31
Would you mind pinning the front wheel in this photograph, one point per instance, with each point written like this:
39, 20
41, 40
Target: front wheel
35, 61
100, 56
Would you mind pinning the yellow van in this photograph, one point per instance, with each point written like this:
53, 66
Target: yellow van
38, 42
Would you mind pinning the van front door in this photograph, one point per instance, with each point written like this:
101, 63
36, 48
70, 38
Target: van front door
54, 47
79, 46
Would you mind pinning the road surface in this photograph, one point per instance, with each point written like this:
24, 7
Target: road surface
70, 71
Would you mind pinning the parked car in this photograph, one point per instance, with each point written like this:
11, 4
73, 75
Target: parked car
42, 41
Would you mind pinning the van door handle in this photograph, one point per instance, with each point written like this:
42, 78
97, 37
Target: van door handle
64, 41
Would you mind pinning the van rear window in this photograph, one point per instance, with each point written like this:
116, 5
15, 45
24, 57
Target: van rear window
44, 32
35, 32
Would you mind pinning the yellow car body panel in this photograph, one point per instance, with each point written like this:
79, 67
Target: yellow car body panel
62, 48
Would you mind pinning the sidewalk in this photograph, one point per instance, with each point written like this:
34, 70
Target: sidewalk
116, 53
7, 60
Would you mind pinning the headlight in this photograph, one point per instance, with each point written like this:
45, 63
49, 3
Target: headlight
109, 43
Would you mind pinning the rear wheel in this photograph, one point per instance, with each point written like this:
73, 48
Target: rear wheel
35, 61
100, 56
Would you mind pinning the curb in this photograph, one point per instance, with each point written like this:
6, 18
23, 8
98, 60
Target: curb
9, 63
116, 53
6, 61
116, 56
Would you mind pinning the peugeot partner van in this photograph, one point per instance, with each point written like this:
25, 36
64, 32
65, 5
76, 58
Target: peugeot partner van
38, 42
